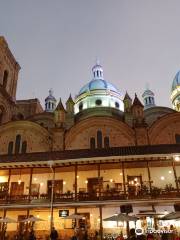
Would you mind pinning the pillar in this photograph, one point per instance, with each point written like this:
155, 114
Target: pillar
99, 180
9, 179
100, 223
149, 177
175, 176
75, 182
52, 198
124, 180
30, 184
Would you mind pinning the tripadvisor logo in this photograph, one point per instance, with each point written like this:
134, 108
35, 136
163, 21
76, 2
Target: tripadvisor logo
139, 231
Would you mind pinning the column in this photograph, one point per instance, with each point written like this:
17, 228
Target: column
175, 175
99, 180
75, 182
149, 177
52, 197
30, 184
100, 223
124, 180
8, 190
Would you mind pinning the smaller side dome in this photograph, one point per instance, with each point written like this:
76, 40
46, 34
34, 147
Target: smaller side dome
148, 99
50, 102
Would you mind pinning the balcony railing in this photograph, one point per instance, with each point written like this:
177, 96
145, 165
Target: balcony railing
88, 196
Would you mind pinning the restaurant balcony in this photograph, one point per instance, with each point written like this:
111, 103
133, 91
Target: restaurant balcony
115, 195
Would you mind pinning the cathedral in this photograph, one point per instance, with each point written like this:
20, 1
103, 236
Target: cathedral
121, 153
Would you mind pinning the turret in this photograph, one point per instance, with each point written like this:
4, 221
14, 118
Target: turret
70, 105
50, 102
137, 111
60, 113
69, 112
127, 103
97, 71
148, 99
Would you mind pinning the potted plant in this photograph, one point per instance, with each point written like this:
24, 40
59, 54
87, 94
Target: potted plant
169, 188
155, 191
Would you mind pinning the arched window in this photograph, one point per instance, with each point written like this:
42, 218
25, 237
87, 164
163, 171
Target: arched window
92, 143
80, 106
5, 78
116, 104
99, 139
177, 137
20, 116
17, 144
106, 142
149, 100
24, 147
10, 148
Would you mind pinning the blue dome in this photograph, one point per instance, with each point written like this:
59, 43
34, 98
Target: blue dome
50, 98
176, 81
98, 84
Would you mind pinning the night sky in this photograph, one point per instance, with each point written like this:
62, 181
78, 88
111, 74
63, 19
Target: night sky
56, 43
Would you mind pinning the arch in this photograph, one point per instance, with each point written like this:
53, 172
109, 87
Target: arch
5, 78
20, 116
36, 136
119, 132
164, 129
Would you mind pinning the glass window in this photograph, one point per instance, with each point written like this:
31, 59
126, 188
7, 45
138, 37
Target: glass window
17, 144
10, 148
92, 143
98, 102
99, 139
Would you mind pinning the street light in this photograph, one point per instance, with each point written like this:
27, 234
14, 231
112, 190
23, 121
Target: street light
52, 195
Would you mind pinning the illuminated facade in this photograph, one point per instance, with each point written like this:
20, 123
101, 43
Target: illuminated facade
175, 92
95, 154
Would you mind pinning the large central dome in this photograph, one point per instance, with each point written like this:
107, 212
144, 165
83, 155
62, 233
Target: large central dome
98, 84
98, 93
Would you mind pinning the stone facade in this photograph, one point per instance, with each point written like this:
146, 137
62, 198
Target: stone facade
63, 129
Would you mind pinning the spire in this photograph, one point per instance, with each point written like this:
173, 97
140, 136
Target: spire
70, 100
70, 105
137, 102
60, 106
127, 97
97, 71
